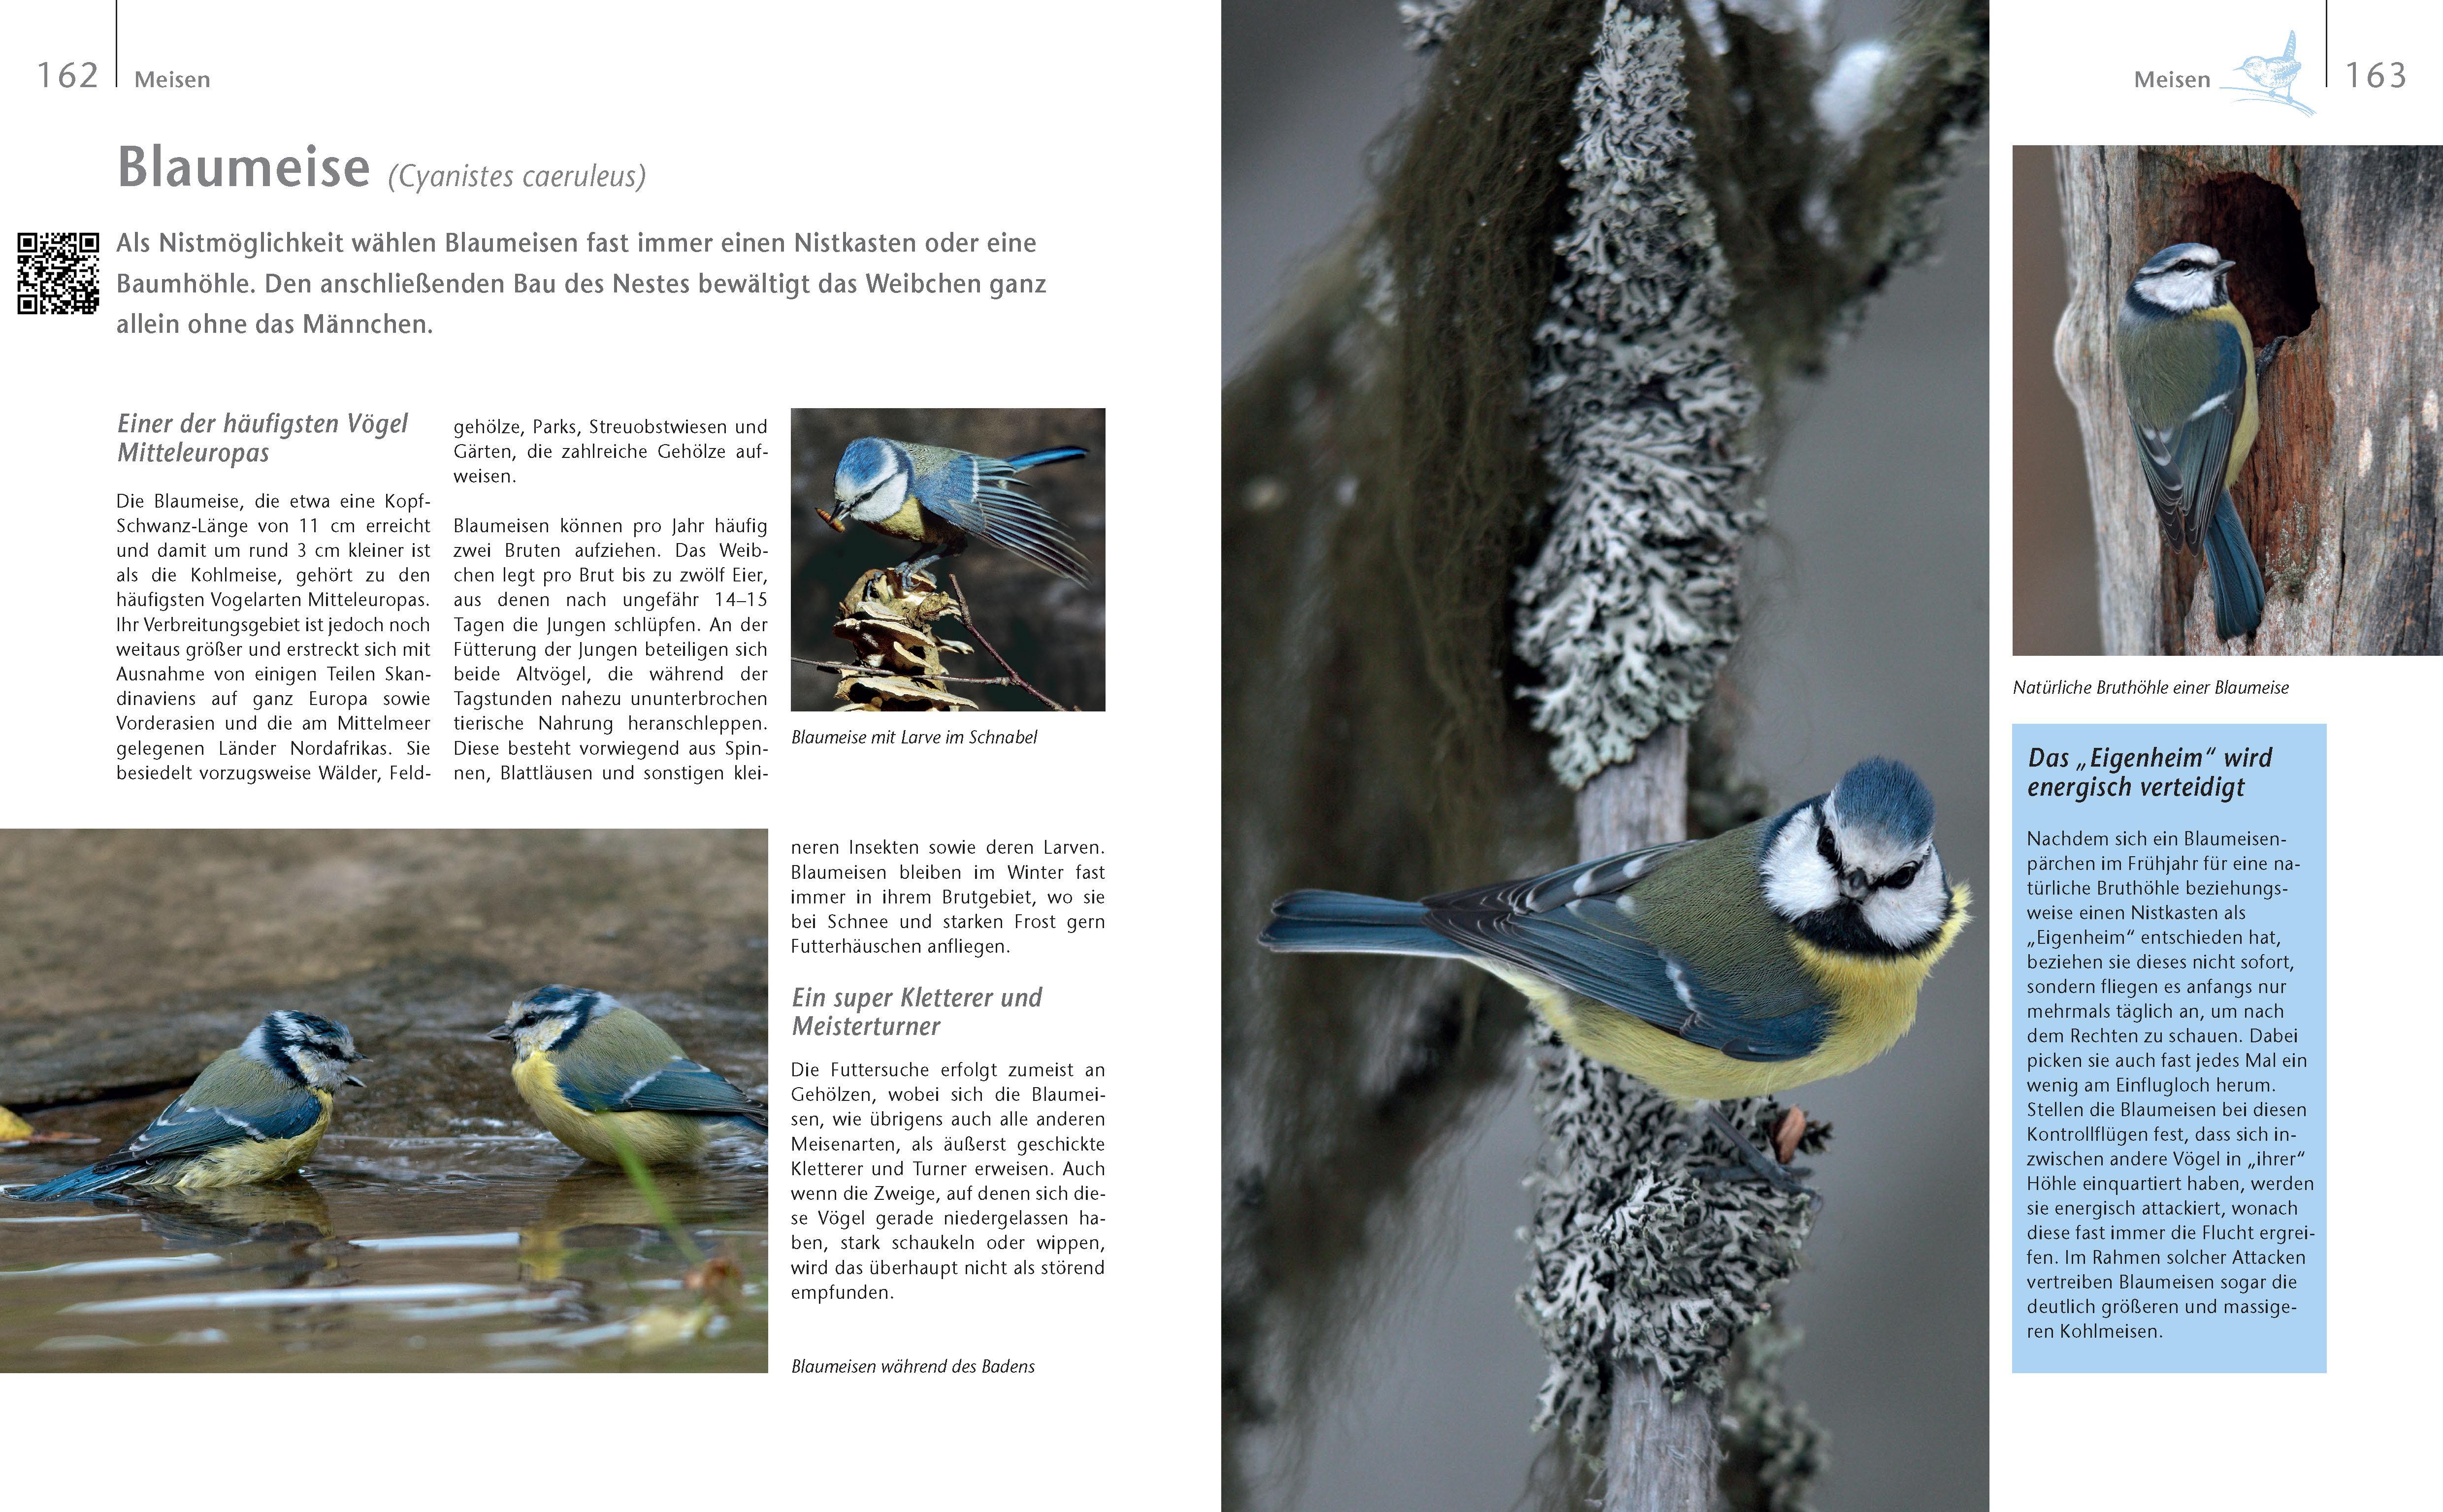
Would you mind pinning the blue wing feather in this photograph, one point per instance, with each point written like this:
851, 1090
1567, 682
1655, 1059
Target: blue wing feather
981, 496
2185, 457
1569, 926
674, 1086
182, 1131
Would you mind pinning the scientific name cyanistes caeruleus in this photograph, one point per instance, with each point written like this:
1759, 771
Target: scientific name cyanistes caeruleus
1765, 958
936, 496
255, 1115
2190, 370
596, 1071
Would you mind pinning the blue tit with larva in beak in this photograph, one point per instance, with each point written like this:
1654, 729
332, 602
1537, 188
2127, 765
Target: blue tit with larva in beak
597, 1073
255, 1115
2189, 369
1762, 959
936, 496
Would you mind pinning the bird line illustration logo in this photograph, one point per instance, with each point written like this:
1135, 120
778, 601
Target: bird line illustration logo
2272, 77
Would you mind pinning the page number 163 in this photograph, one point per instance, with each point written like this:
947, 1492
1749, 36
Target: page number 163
2379, 75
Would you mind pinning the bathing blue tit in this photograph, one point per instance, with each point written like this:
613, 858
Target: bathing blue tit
936, 496
1769, 956
597, 1072
2189, 371
255, 1115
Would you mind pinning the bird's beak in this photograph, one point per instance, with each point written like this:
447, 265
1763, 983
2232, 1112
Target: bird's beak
351, 1081
2225, 266
504, 1032
832, 521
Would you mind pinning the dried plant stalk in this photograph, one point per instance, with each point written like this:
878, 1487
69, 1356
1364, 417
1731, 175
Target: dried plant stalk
892, 627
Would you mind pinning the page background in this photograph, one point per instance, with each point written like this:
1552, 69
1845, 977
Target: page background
1093, 126
2244, 1441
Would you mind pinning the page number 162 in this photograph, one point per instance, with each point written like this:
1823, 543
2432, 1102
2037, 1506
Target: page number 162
69, 75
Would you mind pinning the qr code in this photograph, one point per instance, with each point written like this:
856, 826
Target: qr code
58, 272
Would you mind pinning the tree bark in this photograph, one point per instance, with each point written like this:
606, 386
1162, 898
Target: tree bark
2334, 247
1659, 1455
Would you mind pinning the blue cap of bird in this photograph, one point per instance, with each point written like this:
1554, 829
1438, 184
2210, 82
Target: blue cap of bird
308, 1050
870, 483
1863, 853
2183, 278
548, 1014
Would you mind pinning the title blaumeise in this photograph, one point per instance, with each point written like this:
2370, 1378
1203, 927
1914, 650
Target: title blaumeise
137, 171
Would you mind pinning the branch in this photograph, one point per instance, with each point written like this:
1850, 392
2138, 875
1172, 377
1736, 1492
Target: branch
942, 677
1384, 488
983, 640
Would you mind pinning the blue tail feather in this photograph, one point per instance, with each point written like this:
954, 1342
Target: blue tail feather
1334, 921
76, 1184
2238, 586
1046, 457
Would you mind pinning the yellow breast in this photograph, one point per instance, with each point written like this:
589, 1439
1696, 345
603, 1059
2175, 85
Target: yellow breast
2244, 436
1874, 1002
907, 524
658, 1138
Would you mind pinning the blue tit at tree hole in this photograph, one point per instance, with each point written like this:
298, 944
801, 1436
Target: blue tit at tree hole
589, 1064
2189, 371
255, 1115
1768, 957
937, 496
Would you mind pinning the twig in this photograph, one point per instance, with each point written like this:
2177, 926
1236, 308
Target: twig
851, 666
982, 640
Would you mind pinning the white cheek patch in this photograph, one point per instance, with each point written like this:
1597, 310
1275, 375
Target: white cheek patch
1796, 880
1904, 918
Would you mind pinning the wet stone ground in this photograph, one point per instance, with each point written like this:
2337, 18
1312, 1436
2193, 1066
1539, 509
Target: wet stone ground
437, 1228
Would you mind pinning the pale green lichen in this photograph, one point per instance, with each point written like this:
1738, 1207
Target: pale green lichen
1631, 604
1638, 1254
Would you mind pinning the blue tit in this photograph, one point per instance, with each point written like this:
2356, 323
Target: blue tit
597, 1072
1765, 958
2190, 372
255, 1115
936, 496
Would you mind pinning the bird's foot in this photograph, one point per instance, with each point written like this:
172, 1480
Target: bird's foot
1759, 1166
2268, 352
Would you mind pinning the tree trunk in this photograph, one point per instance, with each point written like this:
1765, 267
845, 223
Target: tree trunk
2338, 494
1661, 1455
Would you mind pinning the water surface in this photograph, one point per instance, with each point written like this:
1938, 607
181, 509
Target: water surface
470, 1252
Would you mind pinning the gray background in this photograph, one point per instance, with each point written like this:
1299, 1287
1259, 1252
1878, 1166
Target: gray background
1867, 633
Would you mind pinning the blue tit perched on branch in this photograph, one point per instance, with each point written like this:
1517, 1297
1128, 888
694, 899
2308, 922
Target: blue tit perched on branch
937, 496
589, 1064
1771, 956
2189, 371
255, 1115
